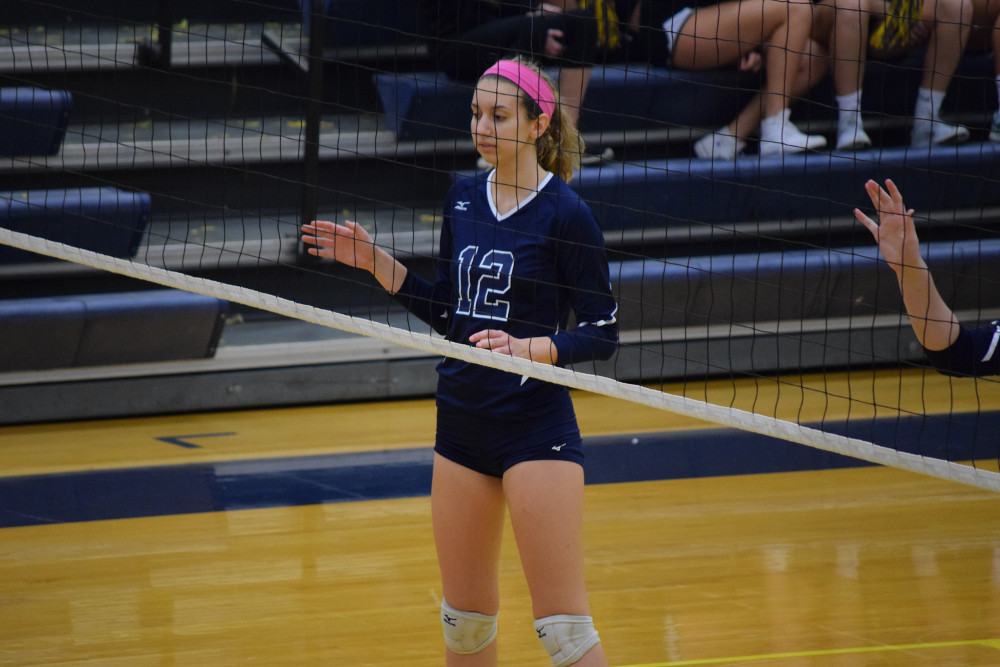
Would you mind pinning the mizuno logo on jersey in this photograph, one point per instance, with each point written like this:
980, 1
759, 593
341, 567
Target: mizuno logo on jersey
462, 205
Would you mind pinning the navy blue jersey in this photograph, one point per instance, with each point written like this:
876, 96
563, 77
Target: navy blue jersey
974, 352
523, 273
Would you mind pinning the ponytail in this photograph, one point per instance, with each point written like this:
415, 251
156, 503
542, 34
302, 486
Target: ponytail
560, 147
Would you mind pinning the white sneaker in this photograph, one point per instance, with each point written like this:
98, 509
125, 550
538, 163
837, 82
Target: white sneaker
779, 135
995, 127
594, 156
928, 133
719, 146
853, 138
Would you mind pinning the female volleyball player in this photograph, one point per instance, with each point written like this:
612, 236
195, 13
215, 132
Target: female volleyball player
950, 347
519, 251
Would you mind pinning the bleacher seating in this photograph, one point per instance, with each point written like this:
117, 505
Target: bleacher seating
890, 90
102, 219
354, 31
32, 120
685, 191
821, 283
429, 105
55, 12
355, 23
622, 97
101, 329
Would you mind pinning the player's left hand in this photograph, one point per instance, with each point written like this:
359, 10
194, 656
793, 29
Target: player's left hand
535, 349
500, 341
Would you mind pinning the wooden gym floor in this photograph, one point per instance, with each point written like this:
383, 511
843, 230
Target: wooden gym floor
302, 537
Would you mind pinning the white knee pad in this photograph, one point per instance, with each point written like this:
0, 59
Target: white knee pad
566, 637
467, 632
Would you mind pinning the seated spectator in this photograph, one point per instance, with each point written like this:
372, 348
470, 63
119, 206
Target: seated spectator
683, 34
467, 36
950, 347
852, 30
986, 37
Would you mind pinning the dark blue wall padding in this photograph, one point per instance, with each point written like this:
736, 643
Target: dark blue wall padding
794, 285
691, 191
32, 120
429, 105
103, 329
105, 220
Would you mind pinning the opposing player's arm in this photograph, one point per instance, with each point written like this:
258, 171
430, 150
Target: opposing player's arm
933, 322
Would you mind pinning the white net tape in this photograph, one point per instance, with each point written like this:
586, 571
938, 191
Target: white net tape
722, 415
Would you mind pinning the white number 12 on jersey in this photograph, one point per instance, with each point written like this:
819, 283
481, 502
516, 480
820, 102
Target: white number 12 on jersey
496, 268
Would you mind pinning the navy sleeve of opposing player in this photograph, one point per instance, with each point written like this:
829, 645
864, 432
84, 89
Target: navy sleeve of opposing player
974, 353
583, 264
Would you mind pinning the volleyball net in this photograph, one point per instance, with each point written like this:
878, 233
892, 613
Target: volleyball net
748, 295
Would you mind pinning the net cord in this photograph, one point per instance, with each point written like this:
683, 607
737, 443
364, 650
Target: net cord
722, 415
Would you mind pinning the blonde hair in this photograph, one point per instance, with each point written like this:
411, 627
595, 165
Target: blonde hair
559, 148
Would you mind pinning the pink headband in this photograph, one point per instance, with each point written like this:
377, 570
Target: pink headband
527, 80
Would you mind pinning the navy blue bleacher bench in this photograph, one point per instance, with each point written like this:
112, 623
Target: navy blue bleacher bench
790, 286
105, 220
74, 12
429, 105
32, 120
103, 329
693, 191
354, 31
365, 23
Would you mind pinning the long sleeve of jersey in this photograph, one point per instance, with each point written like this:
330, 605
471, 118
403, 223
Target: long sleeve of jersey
584, 266
431, 302
974, 353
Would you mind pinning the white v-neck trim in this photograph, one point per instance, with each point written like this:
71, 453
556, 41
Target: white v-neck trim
522, 204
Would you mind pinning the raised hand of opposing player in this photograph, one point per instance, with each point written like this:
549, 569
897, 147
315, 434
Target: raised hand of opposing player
933, 322
348, 243
893, 230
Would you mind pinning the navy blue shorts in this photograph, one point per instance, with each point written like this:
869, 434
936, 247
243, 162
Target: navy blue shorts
492, 446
